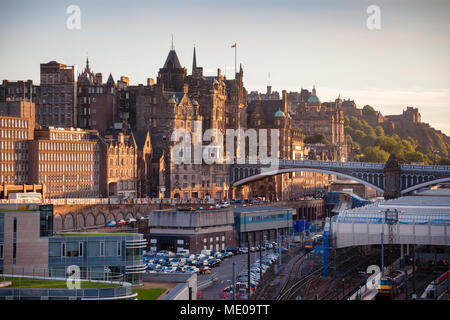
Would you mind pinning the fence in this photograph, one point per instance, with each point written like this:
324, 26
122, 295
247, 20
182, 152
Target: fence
99, 274
97, 201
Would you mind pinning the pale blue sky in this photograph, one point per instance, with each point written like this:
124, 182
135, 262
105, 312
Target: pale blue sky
300, 43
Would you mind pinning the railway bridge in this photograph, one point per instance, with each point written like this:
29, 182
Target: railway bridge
390, 179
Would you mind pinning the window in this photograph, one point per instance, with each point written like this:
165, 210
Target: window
119, 247
80, 248
63, 249
15, 225
1, 250
102, 248
14, 250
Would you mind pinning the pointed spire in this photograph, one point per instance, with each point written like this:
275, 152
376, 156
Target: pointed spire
240, 68
172, 47
194, 61
87, 63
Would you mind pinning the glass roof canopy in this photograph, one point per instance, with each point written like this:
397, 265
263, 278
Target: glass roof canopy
411, 210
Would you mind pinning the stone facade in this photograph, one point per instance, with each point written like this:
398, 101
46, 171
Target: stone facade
119, 154
66, 162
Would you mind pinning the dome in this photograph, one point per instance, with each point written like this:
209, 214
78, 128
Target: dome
279, 113
313, 99
171, 100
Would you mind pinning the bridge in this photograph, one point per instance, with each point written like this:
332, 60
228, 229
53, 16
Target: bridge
391, 178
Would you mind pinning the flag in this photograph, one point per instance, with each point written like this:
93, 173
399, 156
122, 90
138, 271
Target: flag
234, 45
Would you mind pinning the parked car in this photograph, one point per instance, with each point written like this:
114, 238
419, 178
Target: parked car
163, 253
120, 222
205, 270
110, 224
213, 262
130, 220
168, 269
243, 250
232, 250
191, 269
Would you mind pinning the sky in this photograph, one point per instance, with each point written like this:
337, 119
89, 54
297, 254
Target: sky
300, 43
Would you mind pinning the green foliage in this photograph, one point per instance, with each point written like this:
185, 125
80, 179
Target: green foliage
375, 154
377, 146
317, 138
379, 131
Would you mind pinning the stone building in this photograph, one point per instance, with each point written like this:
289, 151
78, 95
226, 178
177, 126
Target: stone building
181, 101
56, 104
17, 91
96, 101
16, 129
66, 161
119, 173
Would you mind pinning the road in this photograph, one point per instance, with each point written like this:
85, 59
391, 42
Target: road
225, 274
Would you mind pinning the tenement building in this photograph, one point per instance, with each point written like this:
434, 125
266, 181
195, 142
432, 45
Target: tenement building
119, 169
56, 104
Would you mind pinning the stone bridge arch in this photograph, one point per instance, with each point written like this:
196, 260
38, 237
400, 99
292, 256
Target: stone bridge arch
358, 177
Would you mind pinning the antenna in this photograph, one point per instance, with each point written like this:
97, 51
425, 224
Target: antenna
172, 47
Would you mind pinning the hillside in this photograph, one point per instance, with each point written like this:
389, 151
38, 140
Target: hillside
411, 142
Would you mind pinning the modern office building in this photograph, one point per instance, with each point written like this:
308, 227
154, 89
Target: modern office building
264, 223
28, 246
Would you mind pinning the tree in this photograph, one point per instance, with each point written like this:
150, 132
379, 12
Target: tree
375, 154
379, 131
317, 138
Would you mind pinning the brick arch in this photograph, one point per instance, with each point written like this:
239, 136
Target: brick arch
138, 215
57, 223
90, 220
129, 215
100, 219
80, 221
68, 222
119, 216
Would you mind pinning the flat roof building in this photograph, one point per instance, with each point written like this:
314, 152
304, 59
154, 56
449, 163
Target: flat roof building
28, 246
262, 223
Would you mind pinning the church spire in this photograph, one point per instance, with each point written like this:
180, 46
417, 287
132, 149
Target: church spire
194, 62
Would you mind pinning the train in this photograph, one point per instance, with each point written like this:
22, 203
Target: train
313, 241
437, 287
392, 284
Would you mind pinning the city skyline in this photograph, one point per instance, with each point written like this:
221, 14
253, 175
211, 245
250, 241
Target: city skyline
300, 44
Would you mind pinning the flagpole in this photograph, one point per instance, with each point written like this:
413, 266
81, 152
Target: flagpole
235, 59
